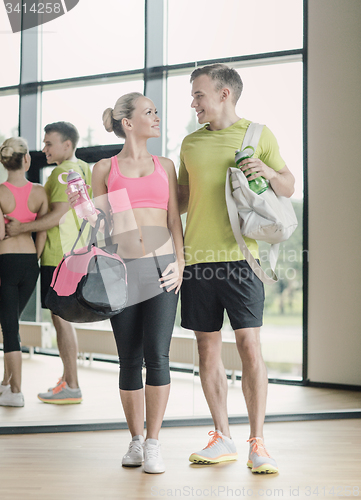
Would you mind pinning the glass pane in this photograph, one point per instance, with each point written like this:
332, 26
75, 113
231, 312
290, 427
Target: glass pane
84, 106
10, 55
181, 118
272, 95
93, 38
9, 123
209, 29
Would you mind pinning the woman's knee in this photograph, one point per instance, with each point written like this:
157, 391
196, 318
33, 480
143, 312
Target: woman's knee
158, 371
130, 375
11, 342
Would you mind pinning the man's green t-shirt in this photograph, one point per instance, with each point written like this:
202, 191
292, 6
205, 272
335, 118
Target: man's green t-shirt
204, 159
60, 239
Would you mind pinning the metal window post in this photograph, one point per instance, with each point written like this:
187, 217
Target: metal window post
154, 60
28, 118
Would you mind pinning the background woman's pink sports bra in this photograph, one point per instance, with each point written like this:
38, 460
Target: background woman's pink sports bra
150, 191
21, 195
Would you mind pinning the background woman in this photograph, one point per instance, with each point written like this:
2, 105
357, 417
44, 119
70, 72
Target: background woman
139, 192
19, 255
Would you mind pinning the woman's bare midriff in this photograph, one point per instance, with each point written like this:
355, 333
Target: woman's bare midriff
23, 243
142, 232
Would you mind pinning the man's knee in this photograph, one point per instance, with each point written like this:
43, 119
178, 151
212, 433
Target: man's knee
61, 325
209, 346
249, 344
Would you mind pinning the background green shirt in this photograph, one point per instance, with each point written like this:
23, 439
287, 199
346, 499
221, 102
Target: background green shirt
60, 239
204, 159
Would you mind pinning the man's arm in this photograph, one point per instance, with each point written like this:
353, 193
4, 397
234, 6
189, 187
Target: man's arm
51, 219
183, 198
2, 225
283, 183
40, 238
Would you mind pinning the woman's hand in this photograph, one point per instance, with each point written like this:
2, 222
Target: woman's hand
172, 276
73, 197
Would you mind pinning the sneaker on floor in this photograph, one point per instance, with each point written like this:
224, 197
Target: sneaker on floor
258, 459
62, 394
219, 449
134, 456
3, 388
153, 461
9, 398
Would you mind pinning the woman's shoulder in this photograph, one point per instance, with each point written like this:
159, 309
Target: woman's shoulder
166, 163
103, 165
38, 189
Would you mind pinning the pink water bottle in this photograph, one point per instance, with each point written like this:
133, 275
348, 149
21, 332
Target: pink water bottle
84, 205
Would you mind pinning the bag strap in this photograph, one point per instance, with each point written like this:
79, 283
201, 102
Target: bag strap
235, 224
253, 135
94, 230
81, 231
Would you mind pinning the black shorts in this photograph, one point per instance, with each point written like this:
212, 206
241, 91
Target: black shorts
46, 276
209, 288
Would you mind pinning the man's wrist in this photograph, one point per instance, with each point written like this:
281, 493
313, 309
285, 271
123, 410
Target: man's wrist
22, 227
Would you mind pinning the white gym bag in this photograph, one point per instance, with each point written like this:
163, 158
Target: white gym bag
264, 217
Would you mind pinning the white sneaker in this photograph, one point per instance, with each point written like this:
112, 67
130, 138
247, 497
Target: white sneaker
153, 462
259, 459
219, 449
134, 456
3, 388
9, 398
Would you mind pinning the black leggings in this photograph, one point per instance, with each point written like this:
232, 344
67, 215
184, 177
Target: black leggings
144, 329
18, 273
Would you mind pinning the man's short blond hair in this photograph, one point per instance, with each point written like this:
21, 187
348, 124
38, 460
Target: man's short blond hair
223, 76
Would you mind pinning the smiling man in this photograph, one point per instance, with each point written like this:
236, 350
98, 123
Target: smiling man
217, 277
60, 141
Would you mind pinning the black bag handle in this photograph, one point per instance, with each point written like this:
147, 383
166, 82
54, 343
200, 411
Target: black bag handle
94, 230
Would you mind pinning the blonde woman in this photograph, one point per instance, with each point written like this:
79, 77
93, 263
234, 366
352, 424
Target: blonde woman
19, 268
138, 191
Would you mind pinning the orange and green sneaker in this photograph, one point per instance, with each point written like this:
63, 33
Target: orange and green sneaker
62, 394
259, 459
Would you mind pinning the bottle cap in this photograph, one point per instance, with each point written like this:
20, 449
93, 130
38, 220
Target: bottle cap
72, 175
247, 152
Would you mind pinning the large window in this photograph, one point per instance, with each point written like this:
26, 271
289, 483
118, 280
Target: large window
10, 53
84, 107
204, 29
93, 38
98, 51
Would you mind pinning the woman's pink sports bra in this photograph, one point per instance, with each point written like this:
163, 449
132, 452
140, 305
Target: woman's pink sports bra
150, 191
21, 195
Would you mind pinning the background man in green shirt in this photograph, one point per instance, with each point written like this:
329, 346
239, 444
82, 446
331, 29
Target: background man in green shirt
216, 276
60, 141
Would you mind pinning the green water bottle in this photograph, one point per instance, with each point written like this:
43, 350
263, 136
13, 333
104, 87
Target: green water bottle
258, 185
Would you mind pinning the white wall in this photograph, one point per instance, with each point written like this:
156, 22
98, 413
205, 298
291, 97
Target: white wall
334, 166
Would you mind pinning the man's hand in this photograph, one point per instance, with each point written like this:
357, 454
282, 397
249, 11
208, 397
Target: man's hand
256, 168
13, 228
282, 182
